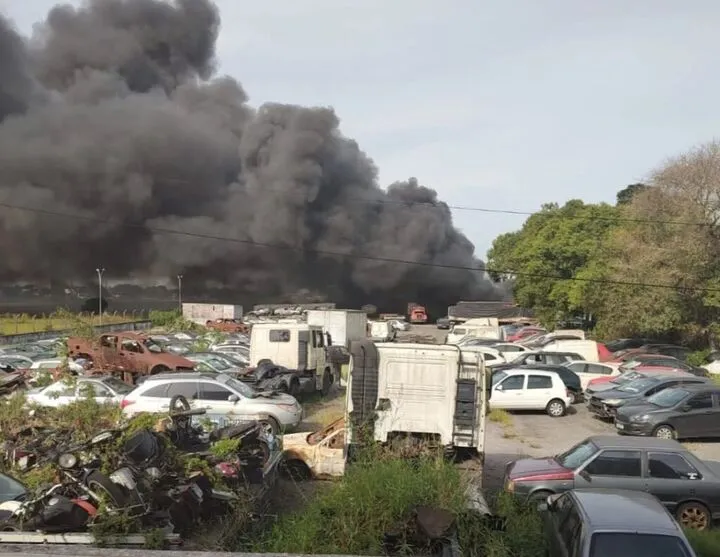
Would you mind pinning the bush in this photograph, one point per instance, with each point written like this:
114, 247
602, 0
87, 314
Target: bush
164, 318
698, 357
376, 494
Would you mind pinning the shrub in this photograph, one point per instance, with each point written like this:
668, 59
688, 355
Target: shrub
705, 543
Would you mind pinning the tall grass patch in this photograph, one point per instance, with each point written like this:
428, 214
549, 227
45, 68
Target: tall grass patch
377, 493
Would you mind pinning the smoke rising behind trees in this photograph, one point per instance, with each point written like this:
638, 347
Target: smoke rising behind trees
113, 111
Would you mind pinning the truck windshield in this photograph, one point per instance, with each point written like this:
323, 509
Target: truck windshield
611, 544
152, 346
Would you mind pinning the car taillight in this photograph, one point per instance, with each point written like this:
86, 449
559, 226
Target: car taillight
124, 403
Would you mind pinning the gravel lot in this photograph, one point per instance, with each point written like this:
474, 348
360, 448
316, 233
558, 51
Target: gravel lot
536, 434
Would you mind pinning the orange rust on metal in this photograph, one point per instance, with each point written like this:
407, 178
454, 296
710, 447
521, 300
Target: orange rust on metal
316, 437
226, 325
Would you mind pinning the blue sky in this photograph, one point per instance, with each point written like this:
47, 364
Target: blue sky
502, 105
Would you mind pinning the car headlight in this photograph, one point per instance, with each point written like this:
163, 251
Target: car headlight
67, 460
613, 402
288, 407
640, 418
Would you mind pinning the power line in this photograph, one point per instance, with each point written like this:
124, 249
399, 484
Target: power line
266, 245
488, 210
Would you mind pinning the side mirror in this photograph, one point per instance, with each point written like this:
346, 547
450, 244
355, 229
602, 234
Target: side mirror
585, 476
233, 398
685, 408
499, 387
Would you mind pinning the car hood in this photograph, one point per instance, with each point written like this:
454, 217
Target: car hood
534, 466
630, 410
265, 397
173, 360
295, 440
614, 393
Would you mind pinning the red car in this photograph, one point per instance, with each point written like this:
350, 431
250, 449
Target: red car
523, 333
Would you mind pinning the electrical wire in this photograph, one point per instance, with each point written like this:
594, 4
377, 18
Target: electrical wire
509, 272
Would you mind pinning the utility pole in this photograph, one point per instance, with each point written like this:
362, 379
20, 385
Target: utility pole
179, 278
100, 272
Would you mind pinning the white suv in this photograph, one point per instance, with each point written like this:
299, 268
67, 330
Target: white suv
226, 399
530, 389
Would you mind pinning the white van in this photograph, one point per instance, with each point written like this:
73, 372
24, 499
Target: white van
590, 350
484, 327
417, 389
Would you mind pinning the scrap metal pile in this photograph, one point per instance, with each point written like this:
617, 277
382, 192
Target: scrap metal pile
153, 472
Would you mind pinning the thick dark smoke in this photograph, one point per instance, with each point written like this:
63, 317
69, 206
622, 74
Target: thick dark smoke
112, 111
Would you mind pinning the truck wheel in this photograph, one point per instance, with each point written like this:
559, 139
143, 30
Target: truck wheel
159, 369
326, 382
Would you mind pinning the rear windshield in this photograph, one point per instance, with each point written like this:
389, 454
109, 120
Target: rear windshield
637, 545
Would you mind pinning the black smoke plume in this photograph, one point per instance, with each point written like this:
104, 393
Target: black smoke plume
112, 112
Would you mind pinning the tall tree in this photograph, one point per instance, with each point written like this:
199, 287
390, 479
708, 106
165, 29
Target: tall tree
626, 195
554, 244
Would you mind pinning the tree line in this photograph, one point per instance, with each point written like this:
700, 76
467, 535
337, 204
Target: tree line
648, 266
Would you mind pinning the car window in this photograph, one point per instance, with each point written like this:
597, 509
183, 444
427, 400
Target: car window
577, 367
598, 369
159, 391
614, 544
616, 463
211, 391
188, 390
120, 387
10, 489
671, 466
487, 357
702, 401
90, 388
539, 382
570, 528
510, 348
513, 383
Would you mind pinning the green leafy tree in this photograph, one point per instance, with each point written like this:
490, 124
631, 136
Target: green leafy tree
553, 247
626, 195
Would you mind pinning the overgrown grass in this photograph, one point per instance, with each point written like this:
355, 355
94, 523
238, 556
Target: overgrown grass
706, 543
22, 323
500, 417
376, 494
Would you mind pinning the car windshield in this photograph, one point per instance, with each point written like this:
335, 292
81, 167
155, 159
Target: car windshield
497, 377
577, 455
612, 544
152, 346
637, 386
218, 364
245, 390
519, 359
668, 397
118, 386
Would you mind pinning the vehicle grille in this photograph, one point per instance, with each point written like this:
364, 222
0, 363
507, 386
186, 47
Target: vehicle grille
595, 403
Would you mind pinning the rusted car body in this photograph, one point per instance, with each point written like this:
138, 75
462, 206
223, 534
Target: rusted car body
127, 353
319, 454
223, 325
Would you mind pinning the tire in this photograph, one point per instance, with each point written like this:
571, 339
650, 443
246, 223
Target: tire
101, 485
694, 515
664, 432
539, 496
296, 470
270, 425
159, 369
573, 397
326, 382
555, 408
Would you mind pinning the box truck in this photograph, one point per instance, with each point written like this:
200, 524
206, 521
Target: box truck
343, 325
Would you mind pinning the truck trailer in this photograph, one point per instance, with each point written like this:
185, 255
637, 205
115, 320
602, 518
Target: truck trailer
204, 313
343, 325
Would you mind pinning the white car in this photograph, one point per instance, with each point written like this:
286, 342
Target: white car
400, 325
509, 350
530, 389
587, 371
225, 399
491, 356
55, 363
209, 362
108, 390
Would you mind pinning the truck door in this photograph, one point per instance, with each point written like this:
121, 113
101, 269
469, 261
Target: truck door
303, 346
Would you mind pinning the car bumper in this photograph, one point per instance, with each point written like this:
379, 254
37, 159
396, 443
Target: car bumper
631, 428
602, 410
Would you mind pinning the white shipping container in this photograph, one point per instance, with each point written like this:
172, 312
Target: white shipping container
344, 325
202, 313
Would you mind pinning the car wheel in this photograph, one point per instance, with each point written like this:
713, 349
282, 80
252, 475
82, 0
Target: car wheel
664, 432
555, 408
693, 515
270, 425
573, 397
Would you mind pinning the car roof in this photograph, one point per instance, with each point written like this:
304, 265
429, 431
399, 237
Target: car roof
643, 443
195, 376
528, 370
700, 387
623, 510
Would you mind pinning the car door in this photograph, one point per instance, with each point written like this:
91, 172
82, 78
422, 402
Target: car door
671, 478
564, 526
215, 399
508, 393
697, 417
580, 369
329, 455
538, 391
612, 468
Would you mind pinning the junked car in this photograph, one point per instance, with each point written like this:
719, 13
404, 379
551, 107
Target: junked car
606, 404
318, 454
686, 485
226, 399
106, 390
681, 412
210, 362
